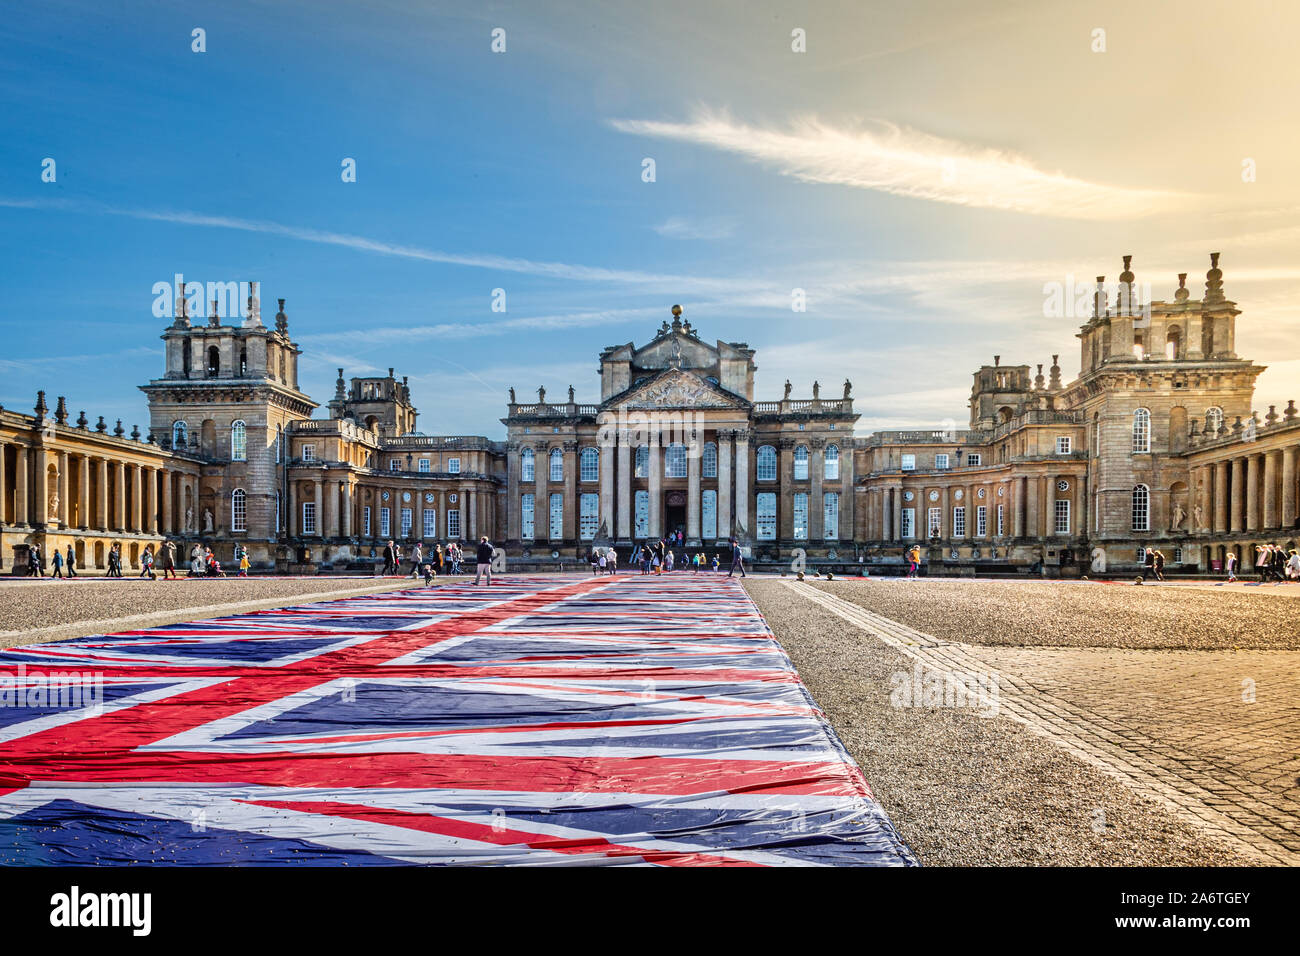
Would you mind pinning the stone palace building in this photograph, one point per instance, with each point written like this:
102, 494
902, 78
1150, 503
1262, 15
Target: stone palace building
1154, 445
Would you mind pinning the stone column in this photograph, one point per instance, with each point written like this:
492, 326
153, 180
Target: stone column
512, 484
151, 500
1019, 507
137, 498
882, 519
1220, 524
606, 450
786, 489
724, 484
21, 516
541, 497
65, 505
348, 507
168, 522
656, 471
102, 520
332, 525
848, 493
472, 497
624, 487
741, 503
570, 491
1272, 460
1288, 515
119, 497
1252, 492
4, 486
83, 492
693, 504
40, 486
1238, 519
1080, 529
816, 506
318, 487
293, 520
896, 518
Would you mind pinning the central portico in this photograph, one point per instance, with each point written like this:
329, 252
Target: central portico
677, 442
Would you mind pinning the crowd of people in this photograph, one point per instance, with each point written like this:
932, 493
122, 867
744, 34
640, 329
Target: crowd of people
666, 555
438, 560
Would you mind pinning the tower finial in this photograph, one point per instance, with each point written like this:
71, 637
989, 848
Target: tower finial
1214, 281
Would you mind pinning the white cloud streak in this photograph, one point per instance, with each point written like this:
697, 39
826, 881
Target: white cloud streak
907, 162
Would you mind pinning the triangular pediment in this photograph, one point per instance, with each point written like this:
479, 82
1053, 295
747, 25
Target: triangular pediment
675, 349
677, 388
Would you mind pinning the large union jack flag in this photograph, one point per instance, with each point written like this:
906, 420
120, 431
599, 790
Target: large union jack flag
608, 720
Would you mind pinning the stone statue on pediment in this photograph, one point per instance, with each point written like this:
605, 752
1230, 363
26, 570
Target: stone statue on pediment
207, 520
788, 388
512, 395
848, 388
541, 395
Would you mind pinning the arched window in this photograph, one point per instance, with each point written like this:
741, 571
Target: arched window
1173, 343
243, 363
527, 465
1213, 420
710, 460
1141, 508
1141, 430
832, 470
557, 465
675, 461
238, 510
766, 462
214, 361
180, 435
238, 441
641, 469
801, 463
589, 465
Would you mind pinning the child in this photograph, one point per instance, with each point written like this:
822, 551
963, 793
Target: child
427, 568
243, 562
715, 562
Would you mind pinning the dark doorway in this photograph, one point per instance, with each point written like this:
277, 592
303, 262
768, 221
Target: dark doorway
674, 519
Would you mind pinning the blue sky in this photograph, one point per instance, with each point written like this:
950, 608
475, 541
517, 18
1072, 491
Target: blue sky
920, 171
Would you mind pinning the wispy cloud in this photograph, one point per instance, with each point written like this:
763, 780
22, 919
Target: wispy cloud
681, 227
907, 162
533, 267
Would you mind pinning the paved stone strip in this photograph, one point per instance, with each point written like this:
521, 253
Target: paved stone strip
1230, 810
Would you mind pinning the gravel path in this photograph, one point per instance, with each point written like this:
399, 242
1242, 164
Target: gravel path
53, 609
1082, 613
966, 790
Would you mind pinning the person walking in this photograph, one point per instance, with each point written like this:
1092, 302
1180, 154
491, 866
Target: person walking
115, 561
913, 561
417, 559
243, 562
71, 563
483, 559
34, 562
1158, 565
1230, 563
169, 560
388, 559
737, 559
1148, 563
1293, 565
146, 562
56, 563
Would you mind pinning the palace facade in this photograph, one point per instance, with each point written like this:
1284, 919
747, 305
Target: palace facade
1154, 445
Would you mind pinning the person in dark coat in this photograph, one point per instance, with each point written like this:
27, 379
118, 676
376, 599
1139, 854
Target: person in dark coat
34, 566
737, 559
57, 563
483, 559
71, 563
388, 558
